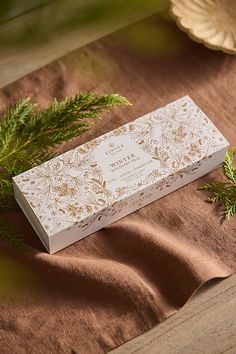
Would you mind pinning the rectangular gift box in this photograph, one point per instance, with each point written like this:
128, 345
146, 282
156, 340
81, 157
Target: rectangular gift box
91, 186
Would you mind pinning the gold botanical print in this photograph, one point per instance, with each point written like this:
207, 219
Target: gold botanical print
65, 191
71, 191
162, 156
74, 210
179, 133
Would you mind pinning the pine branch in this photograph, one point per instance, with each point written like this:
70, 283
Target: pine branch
27, 136
12, 121
225, 192
229, 168
37, 131
11, 235
7, 201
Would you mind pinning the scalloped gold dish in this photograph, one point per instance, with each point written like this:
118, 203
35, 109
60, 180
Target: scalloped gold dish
211, 22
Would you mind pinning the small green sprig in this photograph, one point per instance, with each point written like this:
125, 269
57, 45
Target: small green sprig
27, 136
225, 192
10, 234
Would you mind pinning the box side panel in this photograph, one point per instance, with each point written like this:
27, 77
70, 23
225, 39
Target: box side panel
31, 216
137, 200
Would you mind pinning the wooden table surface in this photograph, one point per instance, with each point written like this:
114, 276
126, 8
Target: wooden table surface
207, 323
19, 57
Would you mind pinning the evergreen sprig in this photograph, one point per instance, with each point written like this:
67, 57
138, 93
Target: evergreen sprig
10, 234
27, 136
225, 192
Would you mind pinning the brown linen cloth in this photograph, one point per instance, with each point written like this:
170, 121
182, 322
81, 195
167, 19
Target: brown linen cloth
124, 279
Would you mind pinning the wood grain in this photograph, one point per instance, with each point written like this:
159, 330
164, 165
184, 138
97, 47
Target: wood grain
205, 325
19, 60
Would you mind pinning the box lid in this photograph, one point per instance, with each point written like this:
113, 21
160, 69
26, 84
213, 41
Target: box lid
72, 187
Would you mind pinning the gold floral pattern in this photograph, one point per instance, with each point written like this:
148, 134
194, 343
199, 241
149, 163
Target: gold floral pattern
70, 191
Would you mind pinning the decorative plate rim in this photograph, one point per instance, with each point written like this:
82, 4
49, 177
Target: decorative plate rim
190, 32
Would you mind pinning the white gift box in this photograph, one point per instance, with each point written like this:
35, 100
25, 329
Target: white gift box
101, 181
